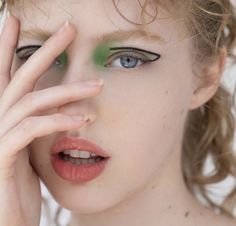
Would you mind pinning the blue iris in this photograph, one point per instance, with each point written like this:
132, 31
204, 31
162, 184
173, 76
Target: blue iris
128, 62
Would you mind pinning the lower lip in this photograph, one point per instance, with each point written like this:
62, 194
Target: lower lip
77, 173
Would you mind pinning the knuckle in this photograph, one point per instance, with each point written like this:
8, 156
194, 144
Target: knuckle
27, 99
27, 124
31, 101
57, 118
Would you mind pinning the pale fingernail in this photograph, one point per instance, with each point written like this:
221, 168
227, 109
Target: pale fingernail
97, 82
63, 27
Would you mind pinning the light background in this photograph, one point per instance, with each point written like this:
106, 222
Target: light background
218, 190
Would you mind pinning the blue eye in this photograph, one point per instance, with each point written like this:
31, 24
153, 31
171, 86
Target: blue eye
130, 59
25, 52
126, 61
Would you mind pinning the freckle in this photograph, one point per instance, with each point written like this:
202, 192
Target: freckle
164, 116
164, 126
187, 213
40, 165
153, 187
169, 207
166, 92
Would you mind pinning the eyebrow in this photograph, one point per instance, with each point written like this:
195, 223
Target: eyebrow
120, 35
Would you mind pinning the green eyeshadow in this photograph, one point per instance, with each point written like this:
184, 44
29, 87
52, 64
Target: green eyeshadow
63, 59
100, 54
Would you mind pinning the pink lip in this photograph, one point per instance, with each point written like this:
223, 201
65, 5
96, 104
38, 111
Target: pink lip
69, 171
67, 143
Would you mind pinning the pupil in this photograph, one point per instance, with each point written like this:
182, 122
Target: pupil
128, 62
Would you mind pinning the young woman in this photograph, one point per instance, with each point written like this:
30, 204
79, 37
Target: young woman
116, 106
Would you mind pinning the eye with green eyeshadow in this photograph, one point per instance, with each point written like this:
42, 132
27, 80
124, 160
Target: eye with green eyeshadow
24, 52
127, 57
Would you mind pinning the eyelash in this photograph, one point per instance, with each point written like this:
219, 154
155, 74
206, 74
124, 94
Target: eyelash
134, 54
28, 51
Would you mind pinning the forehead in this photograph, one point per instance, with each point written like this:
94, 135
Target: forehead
98, 16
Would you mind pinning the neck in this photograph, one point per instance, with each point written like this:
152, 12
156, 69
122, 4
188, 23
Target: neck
164, 201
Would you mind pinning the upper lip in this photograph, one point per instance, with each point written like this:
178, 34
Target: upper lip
68, 143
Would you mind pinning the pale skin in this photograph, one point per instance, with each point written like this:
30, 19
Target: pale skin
143, 183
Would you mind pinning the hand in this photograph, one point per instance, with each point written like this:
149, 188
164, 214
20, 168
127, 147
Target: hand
21, 120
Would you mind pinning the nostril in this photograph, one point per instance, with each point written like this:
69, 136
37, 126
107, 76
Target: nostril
87, 119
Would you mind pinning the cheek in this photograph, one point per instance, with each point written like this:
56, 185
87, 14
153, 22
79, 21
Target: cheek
40, 158
149, 120
142, 127
49, 79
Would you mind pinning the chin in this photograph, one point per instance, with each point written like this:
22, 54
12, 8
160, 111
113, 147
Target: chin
89, 204
83, 199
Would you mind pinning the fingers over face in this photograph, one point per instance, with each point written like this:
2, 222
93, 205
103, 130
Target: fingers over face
29, 73
40, 101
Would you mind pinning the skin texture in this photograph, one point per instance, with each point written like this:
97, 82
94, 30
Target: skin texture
137, 116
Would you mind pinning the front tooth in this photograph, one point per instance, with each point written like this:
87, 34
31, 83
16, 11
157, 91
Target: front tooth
74, 154
84, 154
78, 154
67, 152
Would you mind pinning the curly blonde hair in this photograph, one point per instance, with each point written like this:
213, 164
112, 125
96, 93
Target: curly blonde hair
209, 130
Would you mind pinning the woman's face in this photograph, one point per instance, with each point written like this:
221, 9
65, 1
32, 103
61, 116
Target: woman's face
139, 115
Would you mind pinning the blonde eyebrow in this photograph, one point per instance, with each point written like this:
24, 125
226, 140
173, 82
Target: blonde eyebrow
120, 35
35, 33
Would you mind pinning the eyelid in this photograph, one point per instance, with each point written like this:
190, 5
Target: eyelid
27, 51
20, 51
152, 56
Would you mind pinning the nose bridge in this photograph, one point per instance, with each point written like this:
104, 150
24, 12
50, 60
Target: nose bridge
79, 65
78, 70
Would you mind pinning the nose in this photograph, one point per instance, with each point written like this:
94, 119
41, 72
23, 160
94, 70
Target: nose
86, 107
79, 71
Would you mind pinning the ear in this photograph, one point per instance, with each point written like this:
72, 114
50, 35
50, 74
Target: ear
209, 81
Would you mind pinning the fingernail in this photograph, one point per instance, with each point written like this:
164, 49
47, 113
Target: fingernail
63, 27
97, 82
